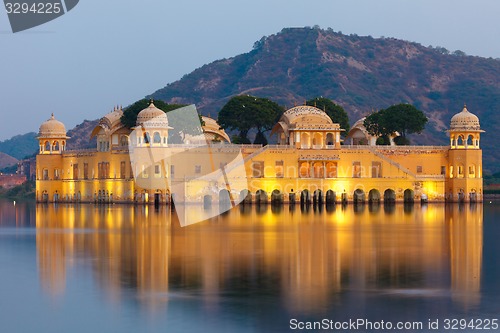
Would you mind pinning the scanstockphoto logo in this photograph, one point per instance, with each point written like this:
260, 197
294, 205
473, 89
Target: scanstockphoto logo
171, 156
27, 14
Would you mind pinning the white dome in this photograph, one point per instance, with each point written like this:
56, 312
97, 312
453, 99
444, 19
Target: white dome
52, 128
296, 113
465, 121
152, 117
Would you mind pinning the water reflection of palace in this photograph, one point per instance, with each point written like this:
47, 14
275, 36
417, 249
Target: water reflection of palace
307, 257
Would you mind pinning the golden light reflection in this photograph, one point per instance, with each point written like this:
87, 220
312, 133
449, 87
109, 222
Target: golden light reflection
310, 256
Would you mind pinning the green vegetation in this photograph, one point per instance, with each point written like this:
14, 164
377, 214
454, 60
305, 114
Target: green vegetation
245, 112
402, 118
334, 111
20, 146
360, 73
24, 191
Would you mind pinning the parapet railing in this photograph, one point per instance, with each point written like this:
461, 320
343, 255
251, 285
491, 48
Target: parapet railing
256, 146
411, 147
80, 151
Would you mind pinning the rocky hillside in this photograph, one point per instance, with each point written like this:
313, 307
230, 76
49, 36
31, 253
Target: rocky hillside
20, 146
80, 135
6, 160
359, 73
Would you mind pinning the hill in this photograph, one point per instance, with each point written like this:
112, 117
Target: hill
6, 161
359, 73
80, 135
26, 145
20, 146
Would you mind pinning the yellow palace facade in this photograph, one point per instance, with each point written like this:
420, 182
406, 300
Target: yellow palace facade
310, 163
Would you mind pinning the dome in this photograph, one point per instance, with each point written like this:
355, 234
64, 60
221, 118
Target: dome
212, 127
360, 124
465, 121
52, 128
305, 118
111, 122
152, 117
296, 113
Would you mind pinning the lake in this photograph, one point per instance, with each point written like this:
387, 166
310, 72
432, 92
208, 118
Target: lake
121, 268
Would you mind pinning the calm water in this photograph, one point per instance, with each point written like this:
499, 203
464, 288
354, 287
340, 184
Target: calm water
81, 268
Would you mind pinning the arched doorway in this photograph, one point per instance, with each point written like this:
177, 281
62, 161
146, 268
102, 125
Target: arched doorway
374, 196
473, 196
318, 197
409, 196
389, 196
245, 197
157, 199
276, 197
207, 201
305, 197
359, 196
224, 201
461, 196
261, 197
224, 196
330, 197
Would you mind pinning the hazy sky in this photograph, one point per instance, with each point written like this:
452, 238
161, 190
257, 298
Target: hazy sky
109, 52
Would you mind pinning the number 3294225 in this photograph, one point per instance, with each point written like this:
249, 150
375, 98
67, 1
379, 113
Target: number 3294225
34, 8
473, 324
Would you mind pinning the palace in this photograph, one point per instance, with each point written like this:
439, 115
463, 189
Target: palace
310, 163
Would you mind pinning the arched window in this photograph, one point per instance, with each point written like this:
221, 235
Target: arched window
156, 137
55, 146
123, 141
147, 138
460, 140
470, 140
304, 170
305, 140
319, 170
331, 170
317, 140
329, 139
460, 171
47, 146
472, 171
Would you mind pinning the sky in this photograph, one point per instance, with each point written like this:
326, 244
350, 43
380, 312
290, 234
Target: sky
113, 52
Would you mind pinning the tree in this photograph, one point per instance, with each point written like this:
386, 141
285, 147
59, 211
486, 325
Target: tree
375, 124
402, 118
245, 112
334, 111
